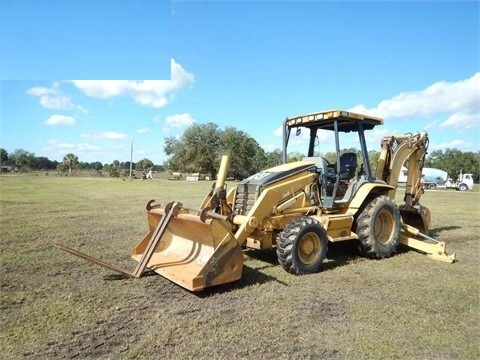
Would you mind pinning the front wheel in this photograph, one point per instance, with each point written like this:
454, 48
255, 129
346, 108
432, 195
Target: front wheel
302, 246
463, 187
378, 227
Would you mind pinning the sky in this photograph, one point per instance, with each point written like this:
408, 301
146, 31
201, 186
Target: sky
91, 77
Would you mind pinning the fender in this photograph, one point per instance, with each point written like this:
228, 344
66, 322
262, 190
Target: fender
363, 192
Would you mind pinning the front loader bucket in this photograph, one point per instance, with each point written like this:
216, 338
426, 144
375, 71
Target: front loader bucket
191, 253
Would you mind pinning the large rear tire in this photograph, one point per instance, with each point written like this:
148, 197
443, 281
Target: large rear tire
378, 227
302, 246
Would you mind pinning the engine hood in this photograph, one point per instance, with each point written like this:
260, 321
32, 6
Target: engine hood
265, 177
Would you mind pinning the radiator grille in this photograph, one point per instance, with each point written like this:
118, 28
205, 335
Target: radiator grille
245, 197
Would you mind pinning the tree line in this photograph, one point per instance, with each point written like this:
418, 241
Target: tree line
200, 148
454, 161
22, 160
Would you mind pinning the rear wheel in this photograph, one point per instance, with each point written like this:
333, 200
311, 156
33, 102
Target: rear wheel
378, 227
302, 246
431, 186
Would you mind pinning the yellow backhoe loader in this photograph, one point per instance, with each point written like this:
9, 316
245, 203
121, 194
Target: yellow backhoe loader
296, 208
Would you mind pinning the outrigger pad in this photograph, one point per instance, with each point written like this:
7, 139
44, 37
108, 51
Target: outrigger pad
436, 250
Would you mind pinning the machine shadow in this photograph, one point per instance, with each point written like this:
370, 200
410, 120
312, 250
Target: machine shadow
338, 254
341, 254
250, 276
438, 230
118, 276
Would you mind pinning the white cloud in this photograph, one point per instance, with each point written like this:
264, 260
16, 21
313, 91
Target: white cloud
57, 144
269, 147
102, 89
144, 130
462, 121
39, 91
153, 93
60, 120
57, 147
278, 131
51, 98
55, 102
459, 100
375, 136
454, 144
179, 120
113, 135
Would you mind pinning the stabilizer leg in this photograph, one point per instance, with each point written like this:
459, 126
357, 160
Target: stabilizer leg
433, 248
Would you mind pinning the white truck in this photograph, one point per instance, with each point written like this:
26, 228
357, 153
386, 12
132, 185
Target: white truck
438, 179
464, 181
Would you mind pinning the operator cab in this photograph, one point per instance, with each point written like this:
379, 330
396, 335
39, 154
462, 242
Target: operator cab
340, 171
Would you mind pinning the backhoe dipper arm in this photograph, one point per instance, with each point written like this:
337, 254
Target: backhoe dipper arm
415, 218
395, 151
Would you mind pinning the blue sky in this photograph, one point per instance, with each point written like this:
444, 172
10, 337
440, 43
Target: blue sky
95, 80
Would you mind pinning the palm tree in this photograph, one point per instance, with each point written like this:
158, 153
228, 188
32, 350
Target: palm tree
22, 158
70, 160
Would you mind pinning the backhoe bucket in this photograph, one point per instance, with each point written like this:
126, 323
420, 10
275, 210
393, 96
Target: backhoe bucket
191, 253
418, 217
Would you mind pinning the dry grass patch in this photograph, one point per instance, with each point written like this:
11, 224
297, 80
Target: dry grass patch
54, 305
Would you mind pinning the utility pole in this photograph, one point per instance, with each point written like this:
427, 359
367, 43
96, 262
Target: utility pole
131, 160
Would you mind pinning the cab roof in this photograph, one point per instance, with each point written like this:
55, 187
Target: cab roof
346, 120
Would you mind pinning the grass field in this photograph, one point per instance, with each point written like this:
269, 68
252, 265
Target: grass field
54, 305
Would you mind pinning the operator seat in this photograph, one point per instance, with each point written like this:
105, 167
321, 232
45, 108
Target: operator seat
348, 165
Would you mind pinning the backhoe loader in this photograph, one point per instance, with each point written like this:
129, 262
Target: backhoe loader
295, 208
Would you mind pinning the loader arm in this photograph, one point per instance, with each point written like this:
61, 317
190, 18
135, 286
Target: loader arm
212, 200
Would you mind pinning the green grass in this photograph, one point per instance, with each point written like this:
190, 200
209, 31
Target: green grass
54, 305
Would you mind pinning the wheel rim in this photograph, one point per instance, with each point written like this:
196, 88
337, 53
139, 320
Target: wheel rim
384, 225
309, 248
